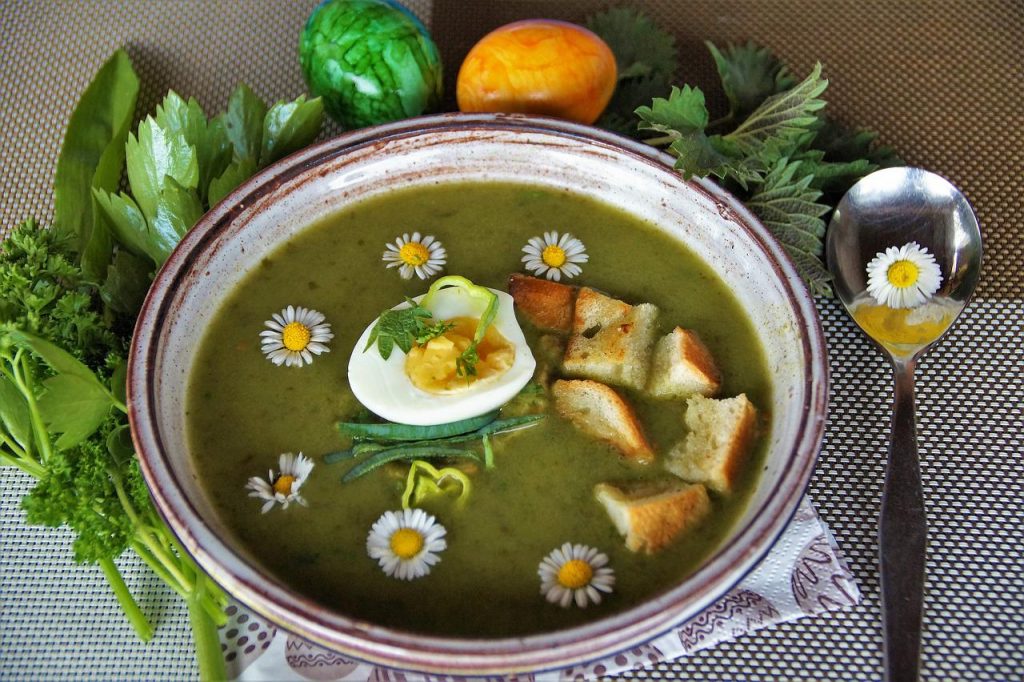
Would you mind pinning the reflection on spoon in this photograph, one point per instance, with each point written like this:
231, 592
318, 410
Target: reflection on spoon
903, 331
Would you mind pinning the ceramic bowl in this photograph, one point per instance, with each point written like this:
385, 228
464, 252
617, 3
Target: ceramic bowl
267, 210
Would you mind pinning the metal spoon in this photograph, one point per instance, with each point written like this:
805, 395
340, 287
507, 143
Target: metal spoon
892, 207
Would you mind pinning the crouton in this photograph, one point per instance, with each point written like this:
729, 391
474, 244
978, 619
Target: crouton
547, 305
611, 340
715, 449
601, 413
682, 366
652, 515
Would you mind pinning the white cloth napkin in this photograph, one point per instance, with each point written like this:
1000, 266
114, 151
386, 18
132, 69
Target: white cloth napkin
804, 574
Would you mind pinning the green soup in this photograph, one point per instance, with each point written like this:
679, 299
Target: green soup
243, 411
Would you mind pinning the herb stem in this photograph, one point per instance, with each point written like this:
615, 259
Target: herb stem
158, 568
23, 379
143, 628
26, 464
204, 634
19, 452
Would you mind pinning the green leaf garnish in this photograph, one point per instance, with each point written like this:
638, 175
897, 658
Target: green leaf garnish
646, 61
465, 364
404, 327
750, 74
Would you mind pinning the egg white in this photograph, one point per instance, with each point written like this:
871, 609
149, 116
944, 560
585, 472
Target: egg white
383, 387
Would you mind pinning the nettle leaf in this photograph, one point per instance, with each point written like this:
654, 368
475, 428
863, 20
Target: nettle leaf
243, 123
290, 126
73, 407
155, 156
683, 113
619, 116
641, 48
781, 119
750, 74
788, 206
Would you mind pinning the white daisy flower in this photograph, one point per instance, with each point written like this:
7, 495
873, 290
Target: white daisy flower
282, 488
903, 277
554, 256
575, 573
294, 335
406, 543
420, 256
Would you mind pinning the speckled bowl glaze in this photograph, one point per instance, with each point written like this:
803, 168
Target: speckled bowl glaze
281, 201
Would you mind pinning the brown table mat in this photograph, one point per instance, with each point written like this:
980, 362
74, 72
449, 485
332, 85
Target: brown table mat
943, 83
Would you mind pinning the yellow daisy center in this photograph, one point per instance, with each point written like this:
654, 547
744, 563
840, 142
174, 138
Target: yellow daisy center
406, 543
575, 574
414, 254
553, 256
902, 274
283, 484
295, 336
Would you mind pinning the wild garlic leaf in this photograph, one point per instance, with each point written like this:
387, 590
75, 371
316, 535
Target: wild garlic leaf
73, 407
237, 172
14, 414
100, 246
290, 126
93, 151
773, 128
154, 155
750, 74
243, 123
641, 48
788, 206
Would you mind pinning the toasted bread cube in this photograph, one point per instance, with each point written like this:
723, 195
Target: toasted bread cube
682, 366
600, 412
650, 516
611, 340
715, 449
547, 305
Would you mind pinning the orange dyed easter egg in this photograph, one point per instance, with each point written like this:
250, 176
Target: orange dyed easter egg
538, 66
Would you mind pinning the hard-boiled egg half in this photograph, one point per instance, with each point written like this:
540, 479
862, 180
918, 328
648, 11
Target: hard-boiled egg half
428, 385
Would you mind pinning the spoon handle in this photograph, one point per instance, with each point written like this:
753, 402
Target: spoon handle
901, 536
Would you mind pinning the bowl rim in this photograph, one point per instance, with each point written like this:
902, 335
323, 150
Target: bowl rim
412, 651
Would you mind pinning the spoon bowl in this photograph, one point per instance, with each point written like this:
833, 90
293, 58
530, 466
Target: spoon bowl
887, 210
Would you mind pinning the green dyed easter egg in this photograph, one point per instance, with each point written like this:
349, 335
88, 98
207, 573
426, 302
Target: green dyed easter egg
371, 61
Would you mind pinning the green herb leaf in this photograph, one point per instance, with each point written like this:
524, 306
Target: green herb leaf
209, 139
403, 327
130, 228
465, 364
243, 123
57, 358
774, 127
127, 283
641, 48
155, 157
100, 246
646, 60
405, 454
73, 407
290, 126
788, 206
389, 431
750, 74
92, 155
176, 213
14, 414
237, 172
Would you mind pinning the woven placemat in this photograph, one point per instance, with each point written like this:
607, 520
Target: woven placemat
941, 81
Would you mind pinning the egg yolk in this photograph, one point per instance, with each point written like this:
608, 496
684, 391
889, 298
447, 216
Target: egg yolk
899, 329
431, 367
